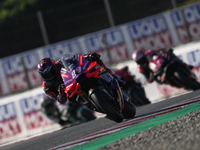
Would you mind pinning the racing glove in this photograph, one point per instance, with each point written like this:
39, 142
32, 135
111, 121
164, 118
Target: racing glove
95, 57
62, 96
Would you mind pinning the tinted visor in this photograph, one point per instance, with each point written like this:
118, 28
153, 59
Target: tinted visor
142, 61
48, 75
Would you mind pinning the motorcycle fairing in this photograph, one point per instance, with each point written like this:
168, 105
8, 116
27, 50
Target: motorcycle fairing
69, 76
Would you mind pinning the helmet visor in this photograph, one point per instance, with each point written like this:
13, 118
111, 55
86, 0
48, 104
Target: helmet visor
142, 61
48, 75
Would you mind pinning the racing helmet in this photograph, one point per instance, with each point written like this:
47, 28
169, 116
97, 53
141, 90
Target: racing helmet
152, 55
47, 69
139, 57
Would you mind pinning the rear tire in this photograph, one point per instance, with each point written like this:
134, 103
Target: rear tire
101, 103
187, 81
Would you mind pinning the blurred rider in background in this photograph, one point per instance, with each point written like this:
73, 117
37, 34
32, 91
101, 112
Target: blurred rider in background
142, 59
67, 113
51, 110
53, 84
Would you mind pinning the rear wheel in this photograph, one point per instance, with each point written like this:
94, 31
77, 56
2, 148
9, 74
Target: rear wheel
100, 102
189, 83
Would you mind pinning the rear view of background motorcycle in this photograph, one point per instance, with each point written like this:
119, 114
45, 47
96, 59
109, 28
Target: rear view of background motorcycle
66, 114
132, 87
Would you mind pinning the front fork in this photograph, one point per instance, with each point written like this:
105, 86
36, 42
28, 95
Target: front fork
114, 83
121, 96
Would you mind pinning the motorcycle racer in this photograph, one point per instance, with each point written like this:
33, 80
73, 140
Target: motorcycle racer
53, 84
67, 113
142, 58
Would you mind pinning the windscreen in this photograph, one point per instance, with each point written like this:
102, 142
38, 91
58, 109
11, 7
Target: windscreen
68, 61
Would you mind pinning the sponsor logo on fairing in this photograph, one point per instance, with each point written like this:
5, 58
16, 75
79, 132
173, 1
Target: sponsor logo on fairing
85, 65
67, 81
80, 60
89, 67
65, 75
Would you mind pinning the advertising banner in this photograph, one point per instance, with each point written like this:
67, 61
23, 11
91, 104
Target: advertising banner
31, 60
33, 116
1, 89
112, 40
14, 75
178, 24
150, 33
192, 16
57, 50
9, 124
21, 115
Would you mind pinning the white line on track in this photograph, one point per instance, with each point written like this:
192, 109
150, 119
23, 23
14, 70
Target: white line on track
125, 124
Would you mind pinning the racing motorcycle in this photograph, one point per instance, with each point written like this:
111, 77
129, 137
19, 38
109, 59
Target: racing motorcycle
96, 87
170, 71
132, 87
67, 113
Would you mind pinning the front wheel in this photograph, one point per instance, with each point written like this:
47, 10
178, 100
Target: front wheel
129, 110
100, 102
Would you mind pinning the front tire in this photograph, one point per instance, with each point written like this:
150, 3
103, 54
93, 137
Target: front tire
100, 102
129, 110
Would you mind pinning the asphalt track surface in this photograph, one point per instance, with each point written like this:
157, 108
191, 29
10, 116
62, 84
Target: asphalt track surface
65, 135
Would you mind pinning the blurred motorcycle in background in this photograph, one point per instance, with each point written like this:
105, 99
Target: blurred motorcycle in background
67, 113
132, 87
168, 69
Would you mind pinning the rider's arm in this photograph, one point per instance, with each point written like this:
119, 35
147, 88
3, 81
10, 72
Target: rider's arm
62, 96
94, 57
52, 92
